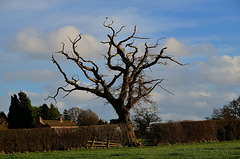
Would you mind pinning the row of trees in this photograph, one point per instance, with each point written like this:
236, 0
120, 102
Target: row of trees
23, 115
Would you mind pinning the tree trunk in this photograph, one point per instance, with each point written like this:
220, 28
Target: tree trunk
128, 135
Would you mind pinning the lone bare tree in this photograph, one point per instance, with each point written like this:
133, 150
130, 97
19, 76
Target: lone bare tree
129, 84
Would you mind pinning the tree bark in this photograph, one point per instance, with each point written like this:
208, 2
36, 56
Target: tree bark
128, 135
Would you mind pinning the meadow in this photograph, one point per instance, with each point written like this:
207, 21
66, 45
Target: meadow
230, 149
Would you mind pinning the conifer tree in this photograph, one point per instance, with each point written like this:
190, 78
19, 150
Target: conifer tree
20, 112
54, 114
13, 115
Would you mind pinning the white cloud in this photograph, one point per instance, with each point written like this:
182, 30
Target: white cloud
177, 48
43, 44
199, 88
224, 70
30, 41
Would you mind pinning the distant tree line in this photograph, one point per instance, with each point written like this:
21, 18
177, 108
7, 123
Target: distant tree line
23, 115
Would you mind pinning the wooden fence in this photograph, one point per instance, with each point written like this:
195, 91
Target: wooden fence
95, 144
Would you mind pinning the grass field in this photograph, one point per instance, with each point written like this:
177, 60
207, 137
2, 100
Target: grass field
198, 150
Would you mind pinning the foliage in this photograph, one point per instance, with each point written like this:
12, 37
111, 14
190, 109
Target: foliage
87, 117
197, 150
47, 113
230, 111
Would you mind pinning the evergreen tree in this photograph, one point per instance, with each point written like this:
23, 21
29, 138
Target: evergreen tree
26, 120
44, 112
21, 112
47, 113
36, 114
54, 114
13, 114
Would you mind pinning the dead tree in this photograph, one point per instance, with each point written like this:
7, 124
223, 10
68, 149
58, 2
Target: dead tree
129, 85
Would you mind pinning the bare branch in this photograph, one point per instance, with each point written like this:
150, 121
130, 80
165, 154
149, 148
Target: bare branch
114, 79
166, 90
120, 29
61, 88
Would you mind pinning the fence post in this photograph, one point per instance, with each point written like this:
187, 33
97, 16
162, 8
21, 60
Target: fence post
108, 143
93, 140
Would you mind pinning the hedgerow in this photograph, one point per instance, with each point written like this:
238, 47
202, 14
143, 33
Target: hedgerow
194, 131
29, 140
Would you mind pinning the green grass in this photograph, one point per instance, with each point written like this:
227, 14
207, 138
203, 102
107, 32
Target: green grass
198, 150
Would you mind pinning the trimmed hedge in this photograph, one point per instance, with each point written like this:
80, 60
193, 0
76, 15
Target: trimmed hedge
194, 131
29, 140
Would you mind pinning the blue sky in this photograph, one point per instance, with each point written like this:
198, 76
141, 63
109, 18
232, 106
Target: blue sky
203, 33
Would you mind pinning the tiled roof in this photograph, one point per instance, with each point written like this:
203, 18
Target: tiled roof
57, 123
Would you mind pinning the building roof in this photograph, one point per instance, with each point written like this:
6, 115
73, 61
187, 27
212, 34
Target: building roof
57, 123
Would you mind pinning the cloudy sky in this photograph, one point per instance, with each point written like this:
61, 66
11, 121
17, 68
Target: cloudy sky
203, 33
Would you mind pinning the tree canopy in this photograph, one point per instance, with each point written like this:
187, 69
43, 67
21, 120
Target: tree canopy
87, 118
230, 111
